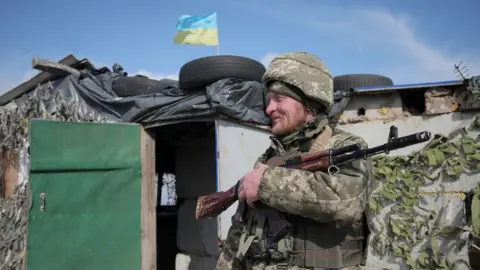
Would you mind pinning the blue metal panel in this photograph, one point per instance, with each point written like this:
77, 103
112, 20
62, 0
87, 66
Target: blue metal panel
394, 88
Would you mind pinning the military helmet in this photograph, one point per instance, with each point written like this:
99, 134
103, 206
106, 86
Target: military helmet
304, 71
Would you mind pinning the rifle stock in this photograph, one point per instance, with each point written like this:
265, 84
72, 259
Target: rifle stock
214, 204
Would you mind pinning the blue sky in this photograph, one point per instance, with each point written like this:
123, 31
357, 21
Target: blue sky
410, 41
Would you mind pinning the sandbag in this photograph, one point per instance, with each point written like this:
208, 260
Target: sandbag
193, 262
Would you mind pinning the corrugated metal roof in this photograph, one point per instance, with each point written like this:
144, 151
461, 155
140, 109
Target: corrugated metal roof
43, 77
398, 87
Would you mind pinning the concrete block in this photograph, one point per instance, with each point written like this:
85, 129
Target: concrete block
194, 262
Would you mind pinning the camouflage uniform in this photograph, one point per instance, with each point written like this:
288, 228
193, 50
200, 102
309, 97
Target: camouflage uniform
326, 211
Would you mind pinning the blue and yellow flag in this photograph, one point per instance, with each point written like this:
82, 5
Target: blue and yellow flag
197, 30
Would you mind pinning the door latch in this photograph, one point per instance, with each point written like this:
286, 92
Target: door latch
42, 206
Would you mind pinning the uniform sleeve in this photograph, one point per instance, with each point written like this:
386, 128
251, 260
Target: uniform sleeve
318, 195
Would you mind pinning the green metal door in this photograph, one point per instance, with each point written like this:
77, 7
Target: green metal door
90, 174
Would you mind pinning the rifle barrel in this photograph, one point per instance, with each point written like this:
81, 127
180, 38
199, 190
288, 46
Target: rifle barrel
408, 140
387, 147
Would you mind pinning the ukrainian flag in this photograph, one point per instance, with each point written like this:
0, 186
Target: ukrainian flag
197, 30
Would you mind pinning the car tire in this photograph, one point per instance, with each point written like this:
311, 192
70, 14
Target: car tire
349, 81
140, 85
207, 70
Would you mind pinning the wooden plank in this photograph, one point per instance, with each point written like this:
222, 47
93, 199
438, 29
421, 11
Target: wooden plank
40, 78
10, 161
53, 67
149, 218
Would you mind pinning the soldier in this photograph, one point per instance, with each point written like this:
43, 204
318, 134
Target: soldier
325, 210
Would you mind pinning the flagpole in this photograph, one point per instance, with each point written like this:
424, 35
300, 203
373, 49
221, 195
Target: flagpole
218, 37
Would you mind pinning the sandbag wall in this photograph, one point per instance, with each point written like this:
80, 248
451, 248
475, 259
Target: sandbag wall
195, 169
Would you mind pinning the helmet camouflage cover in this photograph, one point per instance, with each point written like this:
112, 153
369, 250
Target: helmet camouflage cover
304, 71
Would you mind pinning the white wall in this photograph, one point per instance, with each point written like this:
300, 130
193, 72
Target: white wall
372, 103
376, 132
238, 146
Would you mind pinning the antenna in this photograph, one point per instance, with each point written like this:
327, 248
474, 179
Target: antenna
461, 71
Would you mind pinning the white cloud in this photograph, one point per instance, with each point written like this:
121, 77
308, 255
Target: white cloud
155, 76
29, 74
426, 62
377, 31
6, 84
268, 57
10, 81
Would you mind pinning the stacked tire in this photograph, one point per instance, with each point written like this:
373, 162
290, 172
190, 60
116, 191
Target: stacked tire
194, 75
350, 81
140, 85
203, 71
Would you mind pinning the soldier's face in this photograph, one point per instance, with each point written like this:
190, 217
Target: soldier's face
286, 113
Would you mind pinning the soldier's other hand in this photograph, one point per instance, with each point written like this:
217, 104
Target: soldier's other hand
241, 190
250, 184
261, 166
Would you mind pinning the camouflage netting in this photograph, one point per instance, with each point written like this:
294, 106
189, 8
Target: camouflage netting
45, 102
474, 87
417, 212
13, 222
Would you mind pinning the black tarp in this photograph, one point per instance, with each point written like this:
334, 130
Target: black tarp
242, 100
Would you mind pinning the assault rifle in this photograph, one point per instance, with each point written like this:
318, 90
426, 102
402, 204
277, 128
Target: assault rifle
212, 205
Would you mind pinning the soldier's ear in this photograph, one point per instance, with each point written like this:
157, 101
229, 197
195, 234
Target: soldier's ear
309, 111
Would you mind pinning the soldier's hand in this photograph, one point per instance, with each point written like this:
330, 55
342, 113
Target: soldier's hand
250, 183
241, 191
261, 166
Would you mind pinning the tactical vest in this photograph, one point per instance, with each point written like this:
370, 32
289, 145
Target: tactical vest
307, 244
